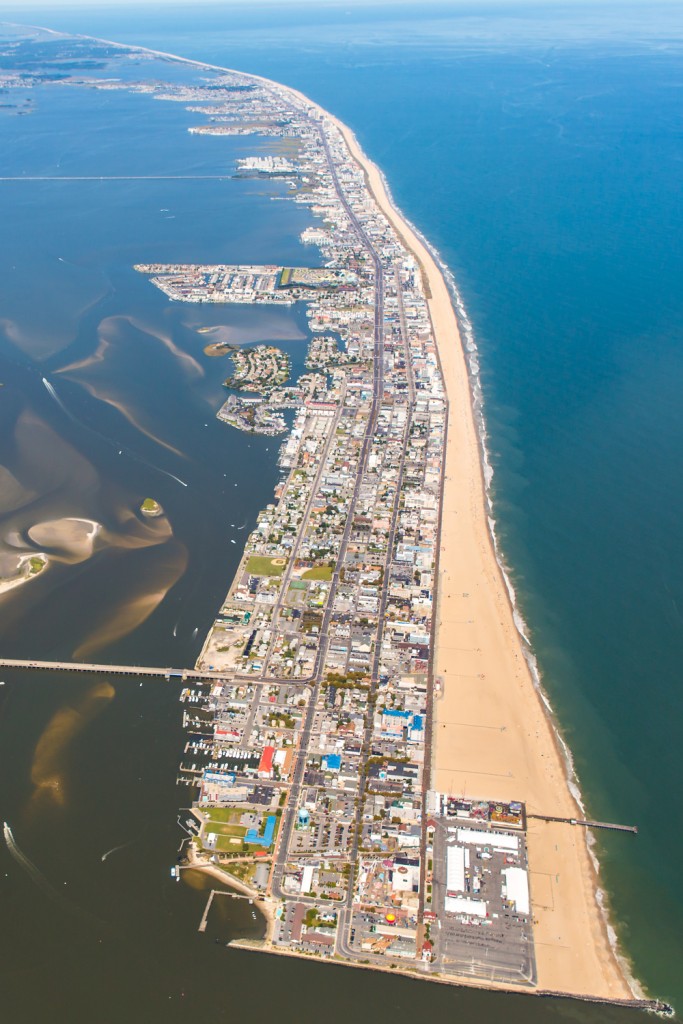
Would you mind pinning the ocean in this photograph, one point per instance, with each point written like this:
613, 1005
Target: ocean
540, 152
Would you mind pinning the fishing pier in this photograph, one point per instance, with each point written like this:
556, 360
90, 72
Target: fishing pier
148, 671
586, 823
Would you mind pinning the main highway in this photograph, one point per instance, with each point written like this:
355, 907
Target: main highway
294, 796
289, 816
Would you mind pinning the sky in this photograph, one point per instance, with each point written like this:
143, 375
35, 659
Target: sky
94, 4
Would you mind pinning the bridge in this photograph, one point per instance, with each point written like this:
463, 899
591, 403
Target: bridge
149, 671
116, 177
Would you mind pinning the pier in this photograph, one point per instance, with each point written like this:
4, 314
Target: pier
586, 823
219, 892
149, 671
116, 177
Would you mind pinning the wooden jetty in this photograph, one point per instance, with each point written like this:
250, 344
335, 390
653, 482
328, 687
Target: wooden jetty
218, 892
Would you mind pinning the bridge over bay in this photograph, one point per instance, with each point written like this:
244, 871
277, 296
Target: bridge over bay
148, 671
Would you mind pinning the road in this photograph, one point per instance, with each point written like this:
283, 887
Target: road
301, 533
289, 815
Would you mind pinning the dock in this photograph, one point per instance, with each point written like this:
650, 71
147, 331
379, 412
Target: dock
219, 892
586, 823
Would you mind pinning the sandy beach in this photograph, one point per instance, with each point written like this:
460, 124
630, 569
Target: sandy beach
264, 906
16, 570
492, 735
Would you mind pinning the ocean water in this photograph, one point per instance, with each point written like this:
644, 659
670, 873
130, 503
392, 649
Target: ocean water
541, 152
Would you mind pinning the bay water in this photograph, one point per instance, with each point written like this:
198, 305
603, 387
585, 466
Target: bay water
540, 152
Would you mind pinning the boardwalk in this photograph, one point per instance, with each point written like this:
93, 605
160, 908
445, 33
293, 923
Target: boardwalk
149, 671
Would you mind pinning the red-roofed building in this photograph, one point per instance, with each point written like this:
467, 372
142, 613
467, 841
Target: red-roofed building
265, 767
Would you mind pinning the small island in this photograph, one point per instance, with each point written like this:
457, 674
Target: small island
219, 348
258, 369
17, 569
151, 508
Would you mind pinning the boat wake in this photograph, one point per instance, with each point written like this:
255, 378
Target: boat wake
113, 444
123, 846
115, 849
27, 864
39, 879
51, 391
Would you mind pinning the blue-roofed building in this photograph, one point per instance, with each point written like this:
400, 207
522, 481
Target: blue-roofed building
331, 762
394, 722
254, 839
417, 728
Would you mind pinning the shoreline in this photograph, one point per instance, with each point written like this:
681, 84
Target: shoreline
414, 974
614, 979
614, 976
24, 572
263, 905
496, 602
471, 356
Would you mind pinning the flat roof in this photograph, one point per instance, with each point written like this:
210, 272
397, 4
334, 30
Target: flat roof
485, 837
455, 869
517, 888
463, 905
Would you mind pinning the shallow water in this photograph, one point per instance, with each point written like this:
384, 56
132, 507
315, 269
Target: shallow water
548, 177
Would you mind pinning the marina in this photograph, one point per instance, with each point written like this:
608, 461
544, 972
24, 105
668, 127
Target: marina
318, 628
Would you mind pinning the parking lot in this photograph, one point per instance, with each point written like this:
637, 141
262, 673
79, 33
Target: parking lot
482, 922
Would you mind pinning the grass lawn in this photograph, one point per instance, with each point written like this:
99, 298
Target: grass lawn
226, 830
244, 870
259, 565
223, 813
229, 844
321, 572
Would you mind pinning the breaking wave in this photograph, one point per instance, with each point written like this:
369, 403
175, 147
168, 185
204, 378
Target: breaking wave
471, 352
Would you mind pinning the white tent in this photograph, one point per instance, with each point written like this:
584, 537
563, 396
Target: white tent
463, 905
455, 869
517, 888
500, 841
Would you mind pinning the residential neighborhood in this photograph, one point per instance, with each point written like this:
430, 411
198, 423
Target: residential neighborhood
310, 749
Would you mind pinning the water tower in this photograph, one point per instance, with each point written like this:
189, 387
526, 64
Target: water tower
304, 818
